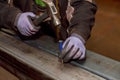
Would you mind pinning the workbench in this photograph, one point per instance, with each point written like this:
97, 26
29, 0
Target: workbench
33, 60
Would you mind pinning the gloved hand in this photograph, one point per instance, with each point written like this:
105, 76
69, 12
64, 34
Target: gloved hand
24, 24
73, 48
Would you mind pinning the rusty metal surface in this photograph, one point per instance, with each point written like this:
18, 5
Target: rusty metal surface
95, 63
26, 58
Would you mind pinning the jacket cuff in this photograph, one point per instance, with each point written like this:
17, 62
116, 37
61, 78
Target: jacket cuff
12, 17
16, 19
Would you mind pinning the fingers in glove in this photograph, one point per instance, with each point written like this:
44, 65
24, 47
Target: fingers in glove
23, 30
78, 55
65, 45
30, 31
66, 42
32, 27
26, 33
73, 51
82, 56
66, 57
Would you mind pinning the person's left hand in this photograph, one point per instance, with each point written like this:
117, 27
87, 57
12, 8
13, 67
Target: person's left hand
25, 25
73, 48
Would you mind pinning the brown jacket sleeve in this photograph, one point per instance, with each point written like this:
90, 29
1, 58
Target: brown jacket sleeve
7, 15
83, 18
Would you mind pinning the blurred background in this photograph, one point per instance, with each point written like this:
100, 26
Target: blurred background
105, 37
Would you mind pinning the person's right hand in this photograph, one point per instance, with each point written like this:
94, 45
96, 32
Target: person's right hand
73, 49
25, 25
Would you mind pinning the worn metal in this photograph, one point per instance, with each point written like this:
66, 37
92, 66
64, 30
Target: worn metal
39, 64
95, 63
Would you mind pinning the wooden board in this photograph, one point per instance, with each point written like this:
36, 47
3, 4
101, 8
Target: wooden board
39, 64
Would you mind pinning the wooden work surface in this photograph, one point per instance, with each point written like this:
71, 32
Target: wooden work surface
39, 64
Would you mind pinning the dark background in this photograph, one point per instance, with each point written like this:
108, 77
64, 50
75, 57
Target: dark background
105, 38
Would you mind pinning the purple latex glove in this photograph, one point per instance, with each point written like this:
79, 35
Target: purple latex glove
73, 48
24, 24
